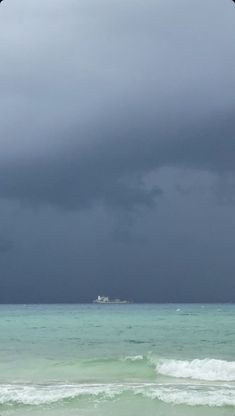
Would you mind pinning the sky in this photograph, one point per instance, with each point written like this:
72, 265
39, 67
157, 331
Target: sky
117, 150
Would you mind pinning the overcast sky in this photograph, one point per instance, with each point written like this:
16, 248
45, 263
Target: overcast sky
117, 150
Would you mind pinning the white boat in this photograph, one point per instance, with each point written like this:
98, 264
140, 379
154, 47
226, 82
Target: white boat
106, 300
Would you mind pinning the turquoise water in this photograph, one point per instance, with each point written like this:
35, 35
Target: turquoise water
117, 359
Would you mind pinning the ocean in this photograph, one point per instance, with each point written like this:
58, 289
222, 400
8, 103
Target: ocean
130, 360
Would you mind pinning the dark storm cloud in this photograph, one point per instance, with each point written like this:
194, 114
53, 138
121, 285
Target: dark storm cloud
112, 171
5, 245
141, 85
107, 107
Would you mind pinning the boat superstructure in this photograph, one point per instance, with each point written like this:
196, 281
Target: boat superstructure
106, 300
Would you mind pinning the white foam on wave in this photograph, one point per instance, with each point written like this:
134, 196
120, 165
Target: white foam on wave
133, 358
207, 369
192, 395
38, 394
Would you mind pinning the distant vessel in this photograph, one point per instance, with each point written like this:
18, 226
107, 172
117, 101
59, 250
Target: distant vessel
107, 300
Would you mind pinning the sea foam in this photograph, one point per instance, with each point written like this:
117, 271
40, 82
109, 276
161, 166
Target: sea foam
39, 394
191, 395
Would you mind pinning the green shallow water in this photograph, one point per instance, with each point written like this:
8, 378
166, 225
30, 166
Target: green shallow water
117, 359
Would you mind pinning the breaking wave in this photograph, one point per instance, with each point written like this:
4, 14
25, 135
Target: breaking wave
207, 369
194, 395
46, 394
191, 395
171, 382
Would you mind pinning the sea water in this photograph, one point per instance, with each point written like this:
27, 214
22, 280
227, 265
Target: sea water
131, 360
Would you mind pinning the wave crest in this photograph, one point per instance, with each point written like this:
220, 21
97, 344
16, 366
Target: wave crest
207, 369
133, 358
